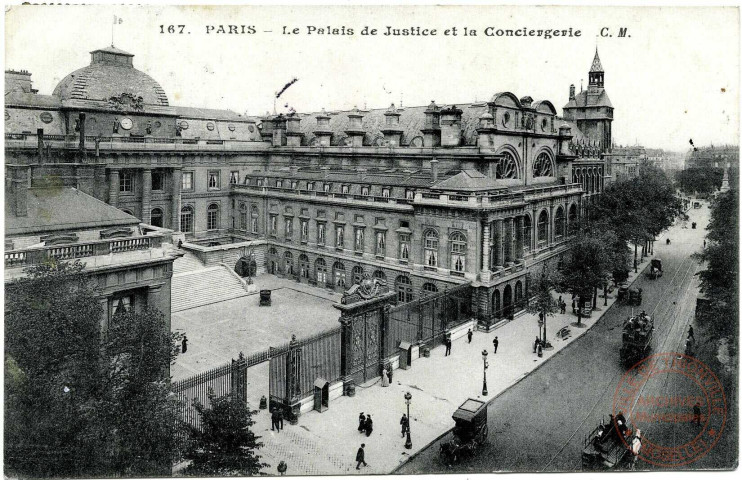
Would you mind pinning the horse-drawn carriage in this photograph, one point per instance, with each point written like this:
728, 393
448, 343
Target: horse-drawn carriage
636, 338
611, 445
469, 434
655, 269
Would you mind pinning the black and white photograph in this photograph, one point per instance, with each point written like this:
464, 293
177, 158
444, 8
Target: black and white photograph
384, 239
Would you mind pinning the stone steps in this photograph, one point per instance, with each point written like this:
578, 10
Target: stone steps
204, 286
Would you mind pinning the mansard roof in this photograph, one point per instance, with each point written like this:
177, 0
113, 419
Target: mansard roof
466, 181
583, 99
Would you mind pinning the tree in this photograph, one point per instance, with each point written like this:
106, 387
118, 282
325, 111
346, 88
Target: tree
225, 446
543, 303
79, 403
719, 281
700, 180
585, 270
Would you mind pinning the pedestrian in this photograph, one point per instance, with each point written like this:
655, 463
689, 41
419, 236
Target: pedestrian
389, 373
573, 306
704, 244
560, 300
535, 344
405, 422
448, 347
690, 332
369, 426
563, 307
274, 420
361, 422
696, 414
184, 344
495, 343
384, 378
279, 414
469, 334
361, 457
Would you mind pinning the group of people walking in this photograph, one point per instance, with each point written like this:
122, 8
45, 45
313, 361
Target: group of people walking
365, 424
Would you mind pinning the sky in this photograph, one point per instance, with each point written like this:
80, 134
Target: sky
673, 77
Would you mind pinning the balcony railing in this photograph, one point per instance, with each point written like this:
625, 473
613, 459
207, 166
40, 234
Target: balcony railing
35, 256
30, 140
312, 193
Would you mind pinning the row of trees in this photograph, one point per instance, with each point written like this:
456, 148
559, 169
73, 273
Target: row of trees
80, 402
629, 212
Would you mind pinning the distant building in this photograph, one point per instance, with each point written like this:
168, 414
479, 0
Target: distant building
424, 197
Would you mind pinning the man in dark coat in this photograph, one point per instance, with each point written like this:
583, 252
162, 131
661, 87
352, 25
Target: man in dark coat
361, 457
469, 334
448, 346
690, 332
535, 344
279, 414
495, 343
405, 422
369, 425
361, 422
184, 344
274, 420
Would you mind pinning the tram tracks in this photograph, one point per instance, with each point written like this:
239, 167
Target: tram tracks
610, 385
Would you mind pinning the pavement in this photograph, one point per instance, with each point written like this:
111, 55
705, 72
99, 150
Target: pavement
326, 443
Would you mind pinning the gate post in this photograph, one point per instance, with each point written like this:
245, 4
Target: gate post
346, 354
239, 378
293, 380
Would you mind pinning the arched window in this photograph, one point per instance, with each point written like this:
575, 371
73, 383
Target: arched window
543, 227
430, 245
243, 216
559, 225
380, 275
288, 261
458, 251
496, 307
273, 260
186, 219
127, 211
357, 274
320, 268
519, 301
542, 166
254, 219
403, 285
572, 218
156, 217
338, 274
212, 217
527, 232
429, 288
507, 167
303, 266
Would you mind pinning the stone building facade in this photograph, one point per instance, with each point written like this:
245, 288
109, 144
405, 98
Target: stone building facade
423, 197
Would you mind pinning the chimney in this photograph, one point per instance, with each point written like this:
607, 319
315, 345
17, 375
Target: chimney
40, 143
392, 131
432, 127
323, 133
293, 134
451, 126
434, 169
279, 131
355, 129
565, 136
266, 128
572, 92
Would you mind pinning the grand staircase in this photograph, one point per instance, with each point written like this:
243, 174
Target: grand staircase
203, 286
187, 263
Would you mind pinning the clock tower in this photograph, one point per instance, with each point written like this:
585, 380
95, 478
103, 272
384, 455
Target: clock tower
592, 110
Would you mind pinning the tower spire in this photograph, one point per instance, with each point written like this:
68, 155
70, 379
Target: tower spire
596, 74
596, 66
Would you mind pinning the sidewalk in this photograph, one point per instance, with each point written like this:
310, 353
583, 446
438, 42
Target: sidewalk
326, 443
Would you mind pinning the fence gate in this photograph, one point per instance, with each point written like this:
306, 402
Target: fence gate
365, 352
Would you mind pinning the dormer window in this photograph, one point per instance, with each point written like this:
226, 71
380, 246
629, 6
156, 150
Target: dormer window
386, 192
294, 184
327, 187
345, 189
409, 194
279, 183
259, 182
365, 190
310, 185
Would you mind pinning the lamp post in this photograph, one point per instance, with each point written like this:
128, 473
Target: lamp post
484, 381
408, 443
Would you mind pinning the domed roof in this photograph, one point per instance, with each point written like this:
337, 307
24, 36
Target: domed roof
111, 73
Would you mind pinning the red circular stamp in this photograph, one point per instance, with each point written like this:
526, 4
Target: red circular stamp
675, 404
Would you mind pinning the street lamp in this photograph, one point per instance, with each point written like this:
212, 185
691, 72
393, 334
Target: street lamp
408, 443
484, 382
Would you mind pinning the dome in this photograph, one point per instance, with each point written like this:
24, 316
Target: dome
111, 73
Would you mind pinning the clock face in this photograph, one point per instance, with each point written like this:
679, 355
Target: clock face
126, 123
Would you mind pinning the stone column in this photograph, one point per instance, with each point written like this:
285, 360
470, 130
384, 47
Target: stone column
113, 192
485, 272
550, 230
104, 318
499, 241
510, 241
175, 206
147, 196
519, 238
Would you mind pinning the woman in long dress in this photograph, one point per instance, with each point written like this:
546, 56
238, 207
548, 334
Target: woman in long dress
384, 378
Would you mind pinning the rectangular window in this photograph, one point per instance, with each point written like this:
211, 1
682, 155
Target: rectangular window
321, 233
404, 247
158, 179
289, 227
380, 244
187, 183
122, 304
243, 217
327, 187
345, 189
294, 184
213, 180
279, 183
386, 192
410, 194
310, 185
254, 225
404, 224
365, 190
212, 218
339, 236
274, 225
304, 230
126, 181
321, 214
360, 239
259, 182
234, 178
